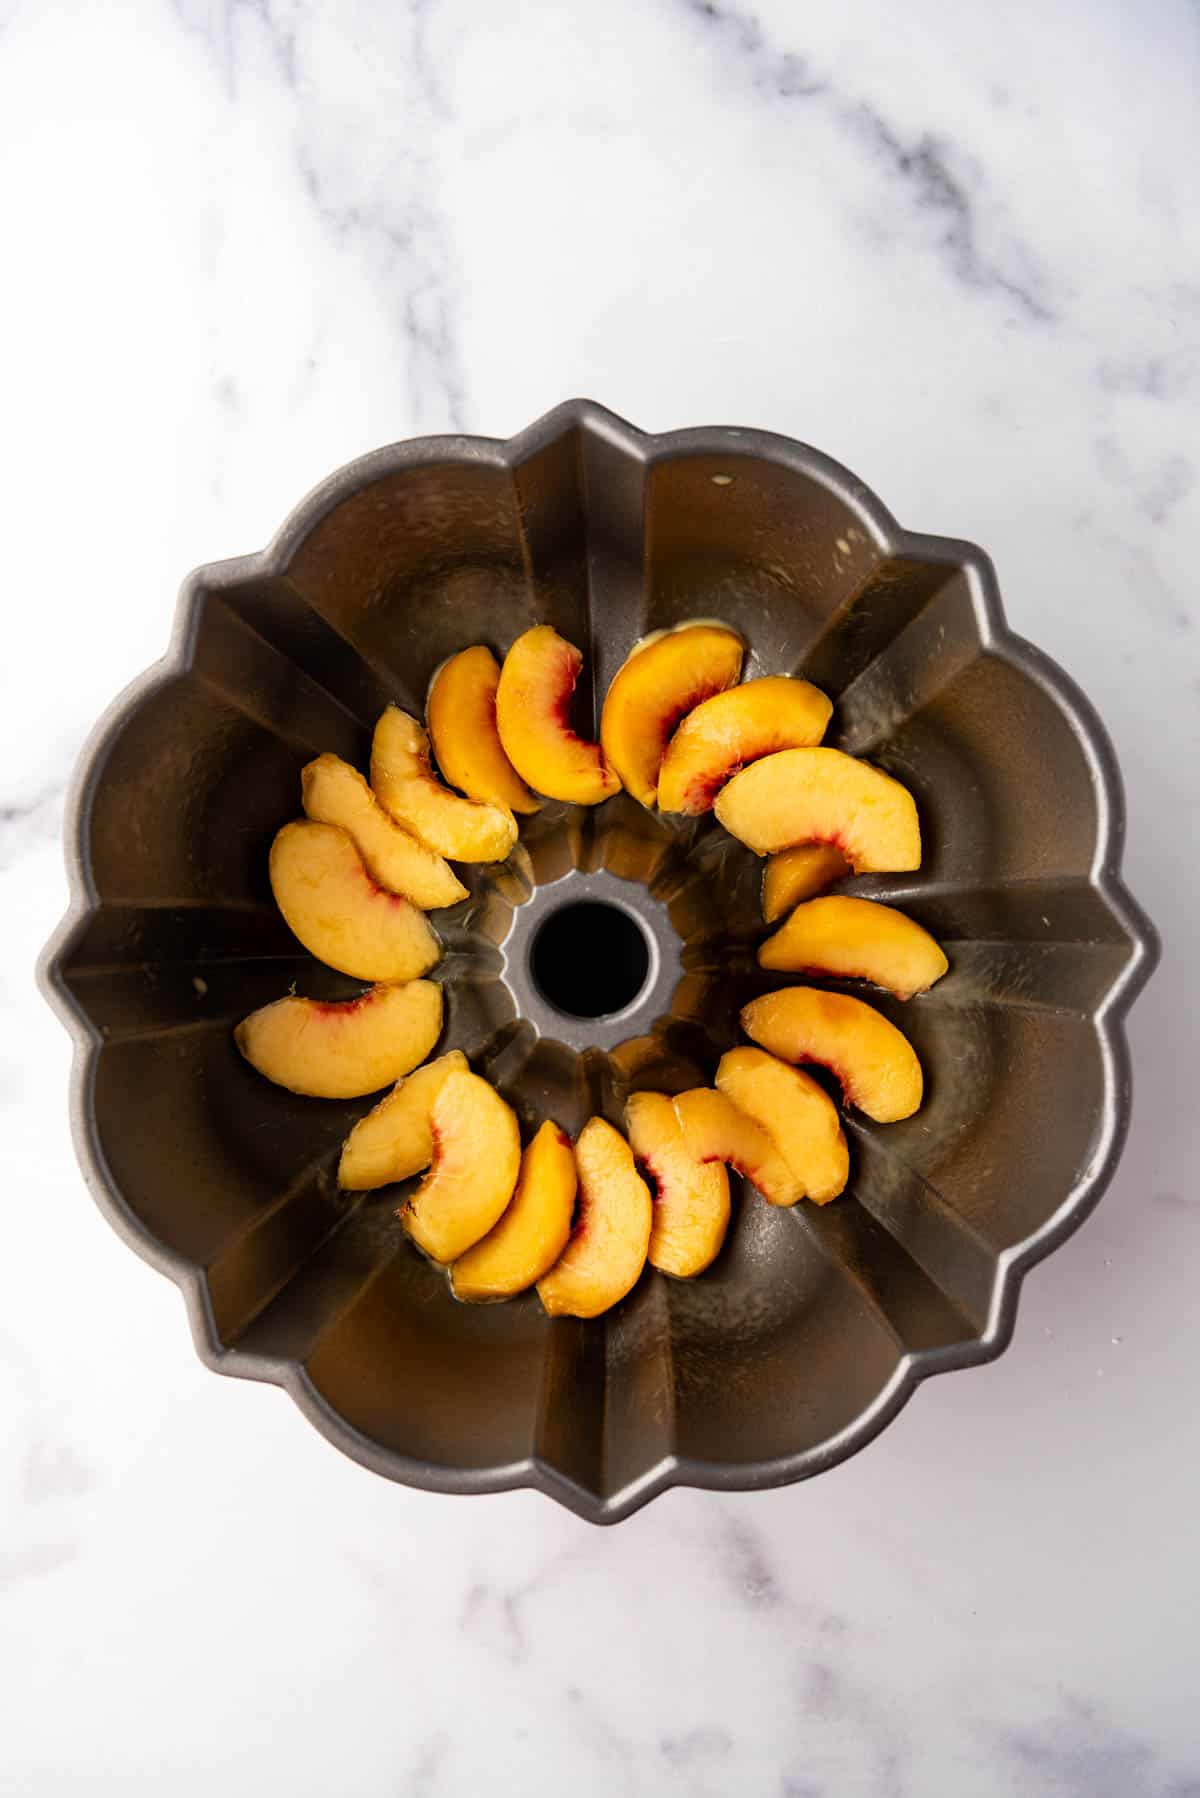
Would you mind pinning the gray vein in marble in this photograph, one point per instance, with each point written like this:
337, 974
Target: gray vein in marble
421, 11
782, 73
20, 1564
593, 1731
934, 173
696, 1746
216, 22
1160, 376
1176, 1201
495, 1617
424, 1778
743, 1562
927, 166
27, 822
818, 1687
53, 1470
405, 239
1156, 491
410, 251
829, 1696
1173, 481
1079, 1752
1142, 575
50, 1475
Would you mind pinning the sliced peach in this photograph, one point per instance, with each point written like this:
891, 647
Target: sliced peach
660, 681
394, 1141
607, 1247
340, 914
733, 729
796, 874
333, 792
797, 1114
476, 1160
823, 796
875, 1062
461, 714
343, 1050
533, 703
533, 1232
856, 939
407, 787
691, 1198
715, 1129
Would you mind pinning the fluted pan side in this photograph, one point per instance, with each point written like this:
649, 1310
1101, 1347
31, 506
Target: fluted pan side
813, 1325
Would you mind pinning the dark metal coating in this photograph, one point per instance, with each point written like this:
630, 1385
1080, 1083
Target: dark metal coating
815, 1324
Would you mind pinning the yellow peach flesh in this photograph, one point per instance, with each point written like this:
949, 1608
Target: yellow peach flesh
660, 683
715, 1129
344, 1049
533, 702
606, 1251
797, 1114
533, 1232
332, 792
734, 729
340, 914
461, 714
876, 1064
691, 1198
408, 789
856, 939
796, 874
394, 1140
823, 796
476, 1160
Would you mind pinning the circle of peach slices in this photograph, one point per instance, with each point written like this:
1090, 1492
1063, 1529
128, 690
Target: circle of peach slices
357, 876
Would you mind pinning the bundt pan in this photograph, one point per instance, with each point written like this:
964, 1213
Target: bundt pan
814, 1325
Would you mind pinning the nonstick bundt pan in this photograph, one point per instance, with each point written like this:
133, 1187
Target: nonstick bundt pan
814, 1325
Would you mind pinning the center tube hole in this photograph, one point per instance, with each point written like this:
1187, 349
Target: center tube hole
590, 959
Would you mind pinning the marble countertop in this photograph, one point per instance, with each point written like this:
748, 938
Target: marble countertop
957, 247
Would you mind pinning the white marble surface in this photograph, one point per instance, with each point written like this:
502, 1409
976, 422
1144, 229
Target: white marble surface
956, 246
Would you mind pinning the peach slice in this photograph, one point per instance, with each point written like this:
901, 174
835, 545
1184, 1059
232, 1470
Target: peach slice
476, 1160
823, 796
691, 1199
797, 1114
407, 787
339, 913
796, 874
394, 1141
332, 792
875, 1062
856, 939
461, 714
532, 714
660, 681
343, 1050
733, 729
533, 1232
607, 1247
715, 1129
